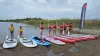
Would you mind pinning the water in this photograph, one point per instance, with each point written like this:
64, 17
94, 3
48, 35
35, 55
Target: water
29, 30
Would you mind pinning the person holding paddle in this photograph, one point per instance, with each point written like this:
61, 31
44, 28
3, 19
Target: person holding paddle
64, 28
61, 29
11, 28
20, 31
41, 29
70, 28
49, 28
54, 29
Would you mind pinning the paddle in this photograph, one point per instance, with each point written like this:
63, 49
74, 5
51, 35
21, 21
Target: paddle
63, 29
49, 30
7, 35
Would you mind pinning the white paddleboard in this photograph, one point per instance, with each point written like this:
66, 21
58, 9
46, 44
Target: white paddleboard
10, 44
27, 42
53, 40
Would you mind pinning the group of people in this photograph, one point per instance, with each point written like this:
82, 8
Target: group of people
64, 28
20, 31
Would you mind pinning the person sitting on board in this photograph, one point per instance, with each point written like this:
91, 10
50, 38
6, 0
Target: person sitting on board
49, 29
20, 31
54, 29
11, 28
41, 31
64, 28
61, 29
70, 28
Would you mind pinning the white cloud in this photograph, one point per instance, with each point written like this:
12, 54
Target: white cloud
42, 1
48, 8
52, 10
1, 0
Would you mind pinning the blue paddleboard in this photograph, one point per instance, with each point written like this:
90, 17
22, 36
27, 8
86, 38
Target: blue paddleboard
38, 41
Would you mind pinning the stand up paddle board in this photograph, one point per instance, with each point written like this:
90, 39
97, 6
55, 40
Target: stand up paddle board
64, 39
10, 44
53, 40
27, 42
38, 41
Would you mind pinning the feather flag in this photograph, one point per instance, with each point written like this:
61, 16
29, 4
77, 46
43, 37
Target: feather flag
82, 19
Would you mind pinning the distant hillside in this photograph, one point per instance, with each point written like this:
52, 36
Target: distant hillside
76, 22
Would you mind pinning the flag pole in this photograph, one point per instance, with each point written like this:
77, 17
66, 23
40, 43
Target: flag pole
82, 18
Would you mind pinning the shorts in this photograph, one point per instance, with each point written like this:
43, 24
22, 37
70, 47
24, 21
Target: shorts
54, 28
21, 33
61, 30
49, 30
64, 29
11, 31
41, 29
70, 28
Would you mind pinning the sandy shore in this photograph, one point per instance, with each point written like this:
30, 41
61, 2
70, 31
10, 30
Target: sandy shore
83, 48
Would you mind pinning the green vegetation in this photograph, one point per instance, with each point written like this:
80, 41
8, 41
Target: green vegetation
36, 21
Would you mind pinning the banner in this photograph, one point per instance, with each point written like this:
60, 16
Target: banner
82, 18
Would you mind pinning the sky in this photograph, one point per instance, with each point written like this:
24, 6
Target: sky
48, 9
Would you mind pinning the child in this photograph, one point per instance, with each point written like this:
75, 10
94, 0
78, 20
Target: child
20, 31
54, 29
61, 29
70, 28
11, 28
41, 29
64, 28
49, 29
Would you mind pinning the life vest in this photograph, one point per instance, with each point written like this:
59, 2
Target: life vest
11, 28
61, 26
41, 27
49, 27
65, 26
70, 25
21, 30
55, 26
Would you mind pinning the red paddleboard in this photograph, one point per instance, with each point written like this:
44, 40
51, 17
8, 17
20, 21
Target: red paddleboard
84, 38
77, 39
89, 37
65, 40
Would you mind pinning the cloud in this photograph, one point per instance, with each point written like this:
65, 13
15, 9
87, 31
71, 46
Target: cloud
48, 8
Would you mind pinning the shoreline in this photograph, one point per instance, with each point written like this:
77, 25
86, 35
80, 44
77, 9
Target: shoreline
83, 48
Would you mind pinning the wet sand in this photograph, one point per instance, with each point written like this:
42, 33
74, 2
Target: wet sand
83, 48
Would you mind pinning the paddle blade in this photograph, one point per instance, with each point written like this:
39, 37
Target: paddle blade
68, 33
7, 37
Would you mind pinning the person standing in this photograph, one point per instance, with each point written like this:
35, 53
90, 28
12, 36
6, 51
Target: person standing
49, 29
54, 28
64, 28
41, 29
20, 31
61, 29
70, 28
11, 28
